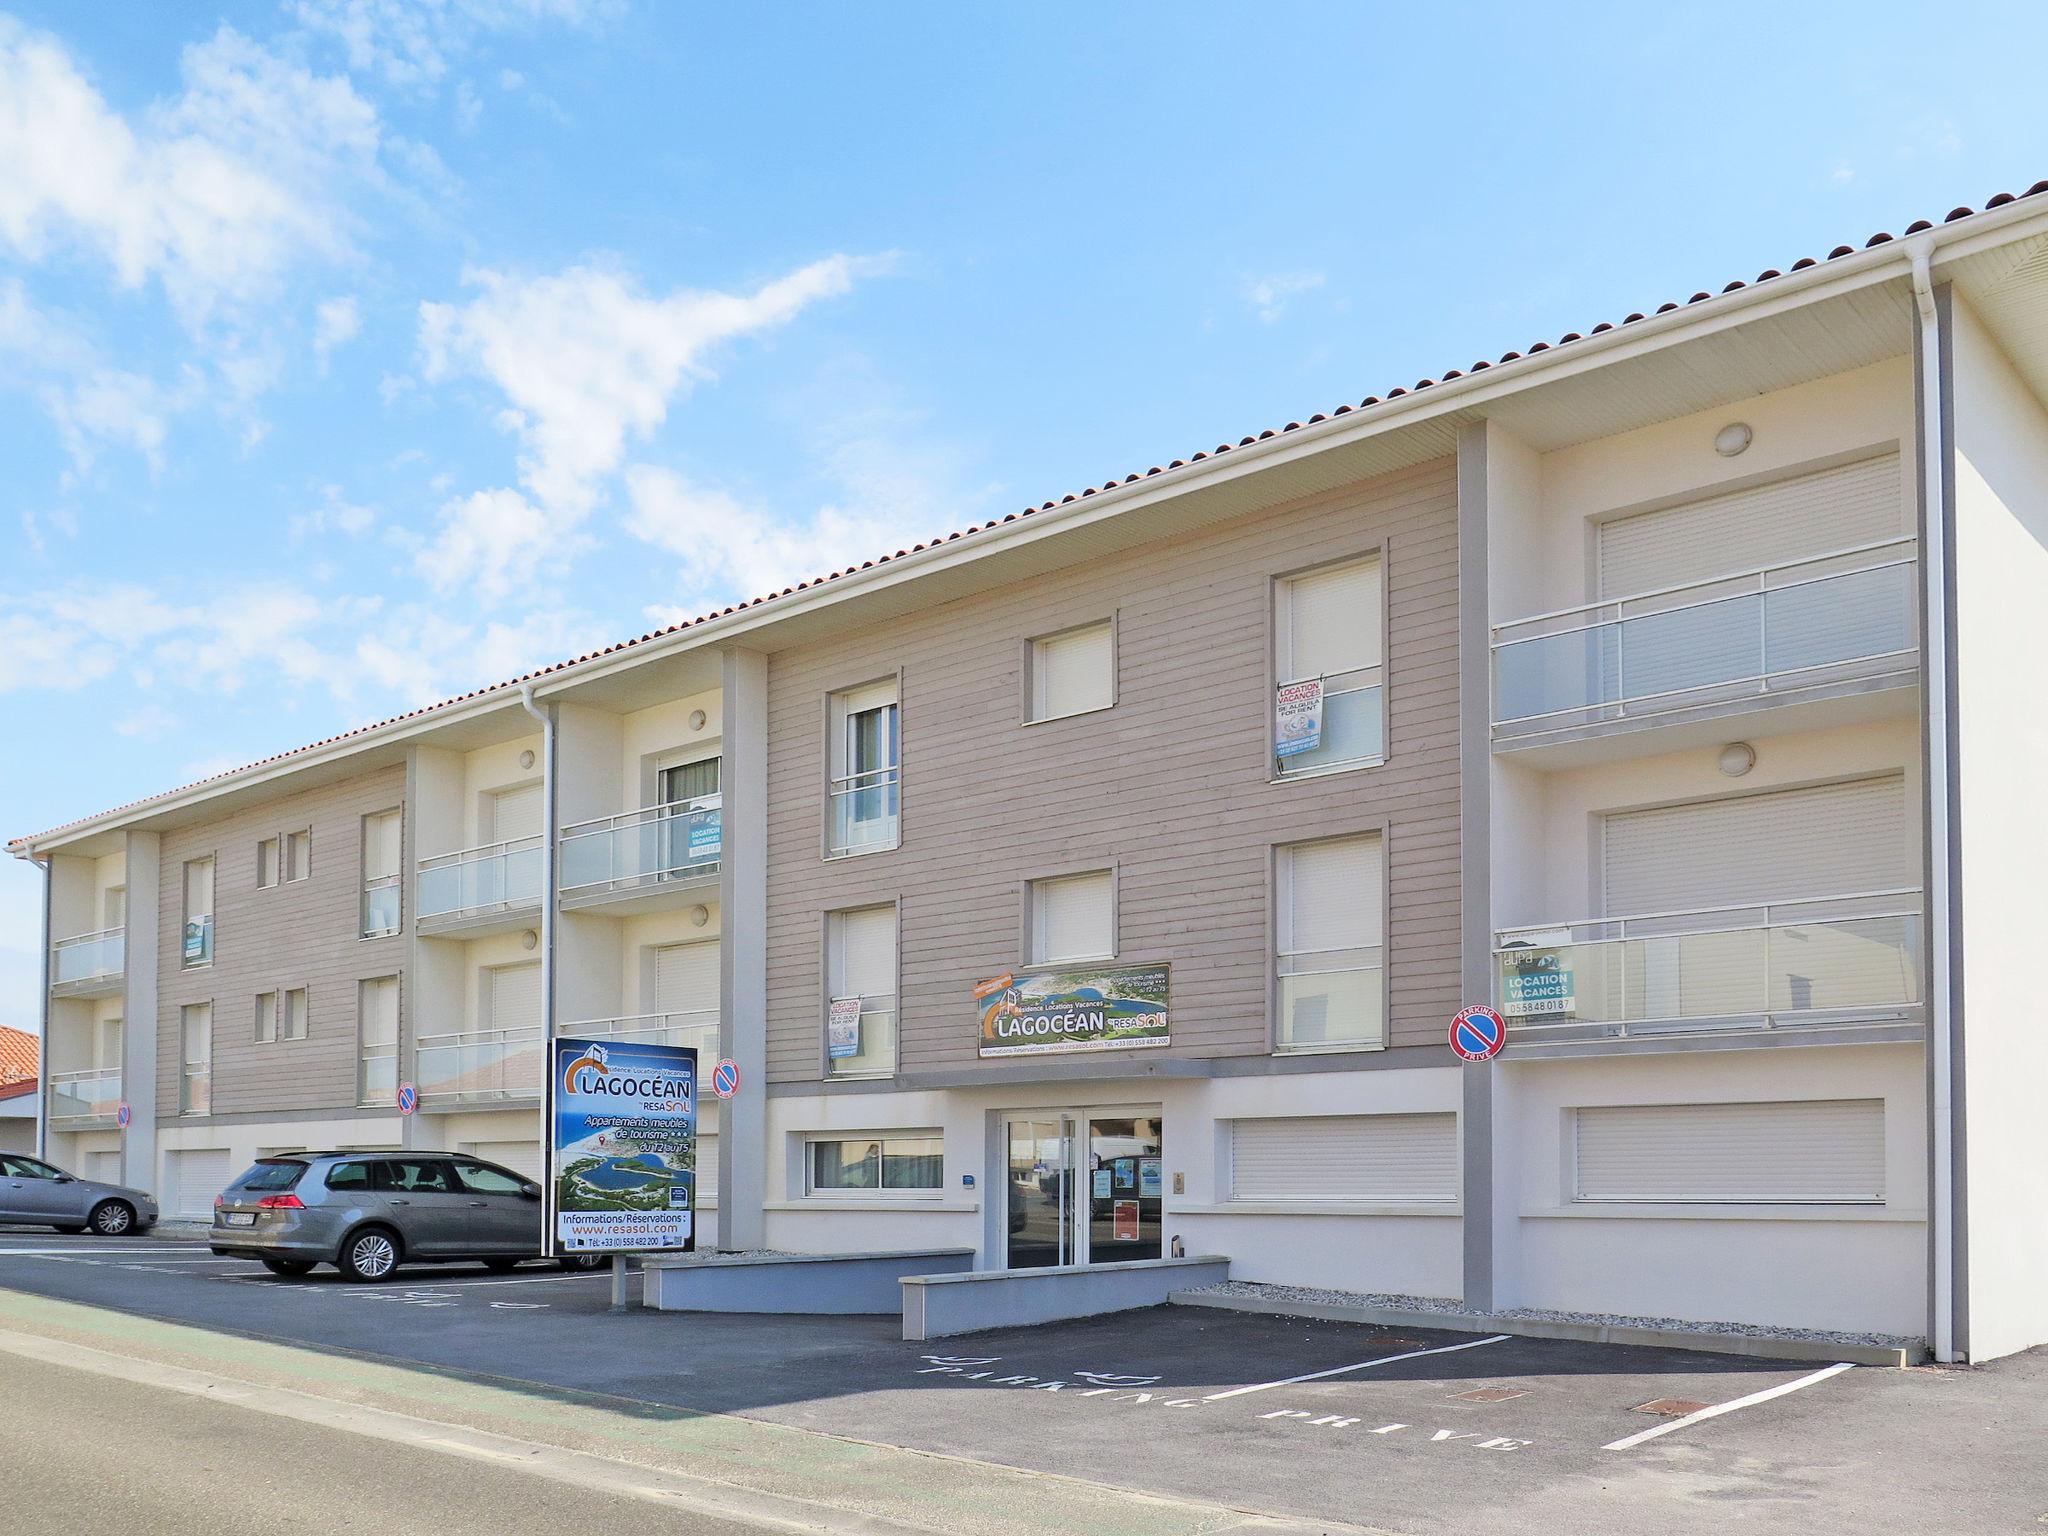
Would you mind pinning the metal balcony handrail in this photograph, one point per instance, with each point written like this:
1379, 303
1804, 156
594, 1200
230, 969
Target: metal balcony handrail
1907, 542
89, 938
481, 852
643, 816
487, 1034
883, 776
691, 1018
1765, 907
85, 1075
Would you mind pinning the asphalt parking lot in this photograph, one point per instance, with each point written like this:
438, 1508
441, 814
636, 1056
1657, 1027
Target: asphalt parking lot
1409, 1430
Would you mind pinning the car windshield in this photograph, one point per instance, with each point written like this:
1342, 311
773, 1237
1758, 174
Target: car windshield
271, 1174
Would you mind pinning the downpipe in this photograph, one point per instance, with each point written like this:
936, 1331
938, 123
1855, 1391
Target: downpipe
1940, 894
550, 842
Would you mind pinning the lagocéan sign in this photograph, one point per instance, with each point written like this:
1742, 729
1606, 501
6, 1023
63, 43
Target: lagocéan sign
621, 1147
1074, 1008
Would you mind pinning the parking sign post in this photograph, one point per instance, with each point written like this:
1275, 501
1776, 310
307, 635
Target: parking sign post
619, 1302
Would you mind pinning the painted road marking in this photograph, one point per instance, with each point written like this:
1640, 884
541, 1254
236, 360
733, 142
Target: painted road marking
448, 1285
84, 1248
1363, 1365
1632, 1441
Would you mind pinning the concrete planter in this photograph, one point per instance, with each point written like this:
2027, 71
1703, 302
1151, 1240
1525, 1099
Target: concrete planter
938, 1306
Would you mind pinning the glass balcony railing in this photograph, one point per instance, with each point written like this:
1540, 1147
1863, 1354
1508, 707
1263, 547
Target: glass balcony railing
377, 1076
698, 1028
478, 1066
865, 807
88, 957
1775, 965
78, 1097
656, 844
492, 878
1767, 631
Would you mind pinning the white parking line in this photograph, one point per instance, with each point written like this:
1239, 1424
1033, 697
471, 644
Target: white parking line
1363, 1365
1632, 1441
92, 1248
432, 1285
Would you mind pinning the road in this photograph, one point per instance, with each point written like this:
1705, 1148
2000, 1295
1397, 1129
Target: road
181, 1466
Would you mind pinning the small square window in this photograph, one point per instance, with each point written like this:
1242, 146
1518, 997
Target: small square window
1074, 672
1073, 918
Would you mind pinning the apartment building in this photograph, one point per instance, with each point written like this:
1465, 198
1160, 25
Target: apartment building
1669, 692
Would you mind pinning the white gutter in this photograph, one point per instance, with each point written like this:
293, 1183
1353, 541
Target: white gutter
550, 845
1868, 267
1940, 895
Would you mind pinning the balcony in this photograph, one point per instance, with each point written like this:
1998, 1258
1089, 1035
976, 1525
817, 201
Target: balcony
1831, 626
479, 1066
81, 1100
88, 965
477, 889
645, 857
698, 1028
1809, 964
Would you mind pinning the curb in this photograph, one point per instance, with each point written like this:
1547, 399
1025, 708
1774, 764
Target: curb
1762, 1347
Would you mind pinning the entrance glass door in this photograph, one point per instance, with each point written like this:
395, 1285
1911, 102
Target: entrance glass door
1083, 1188
1038, 1155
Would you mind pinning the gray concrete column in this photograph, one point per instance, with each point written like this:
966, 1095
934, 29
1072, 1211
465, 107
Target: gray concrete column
140, 1025
1475, 879
743, 953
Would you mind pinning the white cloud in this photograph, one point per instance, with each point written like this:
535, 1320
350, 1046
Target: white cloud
335, 514
585, 362
150, 722
413, 43
90, 402
335, 323
1269, 296
212, 194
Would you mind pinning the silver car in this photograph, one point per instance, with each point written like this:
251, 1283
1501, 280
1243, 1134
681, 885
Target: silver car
44, 1195
368, 1212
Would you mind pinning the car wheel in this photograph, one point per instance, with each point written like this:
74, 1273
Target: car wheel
111, 1218
581, 1261
288, 1266
371, 1253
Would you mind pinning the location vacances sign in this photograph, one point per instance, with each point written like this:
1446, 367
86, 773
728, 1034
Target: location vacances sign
622, 1147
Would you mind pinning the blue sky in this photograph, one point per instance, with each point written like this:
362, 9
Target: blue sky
357, 354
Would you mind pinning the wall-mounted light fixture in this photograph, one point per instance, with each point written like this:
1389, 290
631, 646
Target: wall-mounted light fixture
1733, 438
526, 758
1737, 758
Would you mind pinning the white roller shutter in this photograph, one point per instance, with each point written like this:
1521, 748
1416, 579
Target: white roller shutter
513, 993
686, 978
1787, 520
1816, 1152
1833, 840
1073, 918
382, 834
1392, 1158
522, 1157
104, 1166
1073, 672
516, 813
195, 1176
1331, 895
864, 962
1330, 621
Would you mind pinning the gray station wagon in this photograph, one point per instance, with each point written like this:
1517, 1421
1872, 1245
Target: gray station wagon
368, 1212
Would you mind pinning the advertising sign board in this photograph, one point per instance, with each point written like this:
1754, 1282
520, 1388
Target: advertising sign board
1076, 1008
842, 1028
1298, 718
1535, 984
622, 1147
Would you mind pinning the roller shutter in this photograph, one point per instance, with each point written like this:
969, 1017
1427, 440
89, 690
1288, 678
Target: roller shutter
516, 813
1786, 520
195, 1176
1392, 1158
686, 978
1816, 1152
514, 997
1074, 918
1832, 840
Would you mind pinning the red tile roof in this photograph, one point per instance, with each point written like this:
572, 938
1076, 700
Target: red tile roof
18, 1055
1998, 200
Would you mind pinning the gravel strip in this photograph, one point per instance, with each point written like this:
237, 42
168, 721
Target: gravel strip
1449, 1306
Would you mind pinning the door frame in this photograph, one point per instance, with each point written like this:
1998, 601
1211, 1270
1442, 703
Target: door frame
1077, 1116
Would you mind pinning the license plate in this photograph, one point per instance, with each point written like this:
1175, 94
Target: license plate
241, 1218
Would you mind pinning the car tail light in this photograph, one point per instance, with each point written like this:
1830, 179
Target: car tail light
219, 1201
280, 1203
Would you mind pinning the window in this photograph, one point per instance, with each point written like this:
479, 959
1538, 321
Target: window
1820, 1152
349, 1176
1074, 672
295, 1014
480, 1180
1073, 918
415, 1175
195, 1087
1389, 1159
885, 1164
383, 889
1328, 966
197, 948
267, 863
115, 907
283, 859
298, 855
866, 771
377, 1040
1327, 624
680, 783
266, 1017
272, 1174
860, 1016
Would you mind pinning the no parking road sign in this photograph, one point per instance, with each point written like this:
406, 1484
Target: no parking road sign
123, 1114
725, 1077
1477, 1034
408, 1098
